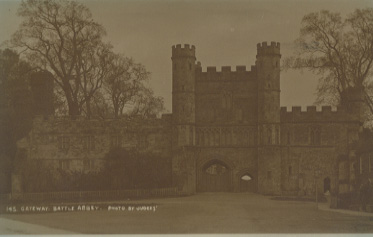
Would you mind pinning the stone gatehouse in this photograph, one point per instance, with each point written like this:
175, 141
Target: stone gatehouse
227, 132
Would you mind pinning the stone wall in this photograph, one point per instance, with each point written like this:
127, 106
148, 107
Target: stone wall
301, 167
81, 145
226, 97
269, 170
316, 146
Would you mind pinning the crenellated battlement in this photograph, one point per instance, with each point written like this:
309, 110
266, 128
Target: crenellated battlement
314, 114
311, 109
225, 72
239, 68
265, 49
186, 51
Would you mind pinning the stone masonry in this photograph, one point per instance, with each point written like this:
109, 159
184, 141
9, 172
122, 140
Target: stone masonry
226, 132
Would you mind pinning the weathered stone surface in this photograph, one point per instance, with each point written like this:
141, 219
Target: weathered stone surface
83, 144
226, 126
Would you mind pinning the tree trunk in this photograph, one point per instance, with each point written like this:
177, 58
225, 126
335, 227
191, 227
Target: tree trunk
73, 107
88, 107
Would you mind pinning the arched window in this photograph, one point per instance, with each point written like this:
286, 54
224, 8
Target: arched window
312, 137
227, 101
212, 138
202, 139
269, 136
288, 137
207, 138
223, 138
217, 138
277, 136
224, 102
315, 136
191, 136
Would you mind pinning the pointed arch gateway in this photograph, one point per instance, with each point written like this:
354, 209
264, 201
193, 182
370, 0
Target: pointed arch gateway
214, 176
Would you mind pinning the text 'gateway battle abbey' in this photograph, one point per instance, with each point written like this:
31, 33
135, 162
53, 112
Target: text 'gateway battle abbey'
226, 132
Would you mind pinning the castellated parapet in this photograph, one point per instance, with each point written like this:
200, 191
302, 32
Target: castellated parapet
186, 51
311, 114
264, 48
226, 73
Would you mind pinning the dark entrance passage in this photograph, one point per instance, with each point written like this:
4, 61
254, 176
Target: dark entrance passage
247, 183
326, 184
215, 176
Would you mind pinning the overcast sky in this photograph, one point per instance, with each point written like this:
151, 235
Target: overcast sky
225, 33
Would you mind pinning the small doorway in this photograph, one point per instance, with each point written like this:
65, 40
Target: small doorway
247, 183
326, 184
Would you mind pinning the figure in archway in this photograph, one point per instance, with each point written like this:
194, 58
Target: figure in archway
327, 185
366, 192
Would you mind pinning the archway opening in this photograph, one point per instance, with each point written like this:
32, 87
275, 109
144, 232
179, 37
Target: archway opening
214, 176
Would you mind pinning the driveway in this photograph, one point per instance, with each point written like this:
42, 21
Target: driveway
203, 213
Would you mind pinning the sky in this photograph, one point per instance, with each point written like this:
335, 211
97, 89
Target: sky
225, 33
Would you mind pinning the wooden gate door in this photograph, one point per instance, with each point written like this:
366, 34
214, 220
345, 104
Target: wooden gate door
215, 177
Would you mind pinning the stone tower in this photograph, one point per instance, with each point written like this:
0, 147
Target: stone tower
352, 100
268, 76
183, 118
183, 94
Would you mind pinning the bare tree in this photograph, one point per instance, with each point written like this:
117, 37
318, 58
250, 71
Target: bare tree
101, 106
147, 104
93, 67
61, 36
339, 50
124, 83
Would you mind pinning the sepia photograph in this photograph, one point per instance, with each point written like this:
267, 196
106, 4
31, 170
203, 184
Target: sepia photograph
186, 117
